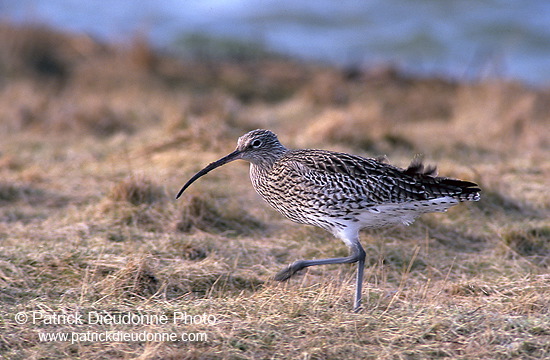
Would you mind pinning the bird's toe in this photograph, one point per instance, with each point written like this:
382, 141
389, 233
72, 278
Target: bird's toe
290, 270
284, 274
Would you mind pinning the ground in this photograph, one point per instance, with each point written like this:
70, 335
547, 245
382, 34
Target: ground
96, 140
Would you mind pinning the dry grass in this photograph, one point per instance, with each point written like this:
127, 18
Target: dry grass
95, 142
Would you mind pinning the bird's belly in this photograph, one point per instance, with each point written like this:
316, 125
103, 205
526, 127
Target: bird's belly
402, 213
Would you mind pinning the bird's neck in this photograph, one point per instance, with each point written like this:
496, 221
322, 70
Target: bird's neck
265, 161
261, 167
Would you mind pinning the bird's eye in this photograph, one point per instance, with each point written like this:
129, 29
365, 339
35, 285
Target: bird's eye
256, 144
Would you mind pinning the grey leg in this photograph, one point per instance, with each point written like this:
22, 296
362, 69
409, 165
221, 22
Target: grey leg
357, 255
359, 284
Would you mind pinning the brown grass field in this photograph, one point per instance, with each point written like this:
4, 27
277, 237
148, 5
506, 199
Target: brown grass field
96, 140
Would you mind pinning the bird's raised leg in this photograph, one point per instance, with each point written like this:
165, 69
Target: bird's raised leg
357, 255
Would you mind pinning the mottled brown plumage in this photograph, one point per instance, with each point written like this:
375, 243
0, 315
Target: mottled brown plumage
341, 193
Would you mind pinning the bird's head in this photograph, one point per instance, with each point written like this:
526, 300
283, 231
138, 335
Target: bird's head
260, 147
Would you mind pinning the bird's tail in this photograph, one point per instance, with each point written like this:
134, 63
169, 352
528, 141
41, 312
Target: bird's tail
459, 189
466, 190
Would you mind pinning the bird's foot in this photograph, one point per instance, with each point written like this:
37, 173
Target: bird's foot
290, 270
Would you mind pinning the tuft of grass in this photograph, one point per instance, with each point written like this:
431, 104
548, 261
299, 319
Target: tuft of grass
137, 190
137, 201
135, 278
207, 214
531, 242
11, 192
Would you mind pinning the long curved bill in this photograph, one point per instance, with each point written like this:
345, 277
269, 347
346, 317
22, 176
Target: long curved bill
224, 160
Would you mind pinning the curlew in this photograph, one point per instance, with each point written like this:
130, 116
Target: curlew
341, 193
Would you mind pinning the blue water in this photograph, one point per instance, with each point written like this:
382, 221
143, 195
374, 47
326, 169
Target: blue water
464, 39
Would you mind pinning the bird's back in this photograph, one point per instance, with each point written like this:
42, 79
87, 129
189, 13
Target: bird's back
335, 190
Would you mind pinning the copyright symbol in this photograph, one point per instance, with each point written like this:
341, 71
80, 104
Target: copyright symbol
21, 317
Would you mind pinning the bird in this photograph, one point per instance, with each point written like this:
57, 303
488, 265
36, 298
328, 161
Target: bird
340, 193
